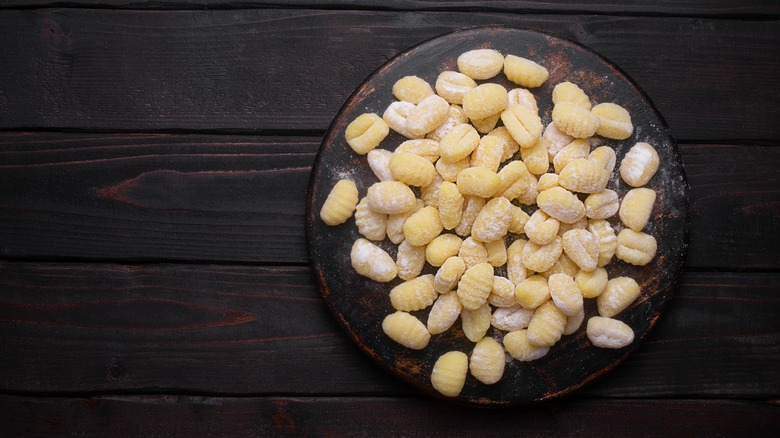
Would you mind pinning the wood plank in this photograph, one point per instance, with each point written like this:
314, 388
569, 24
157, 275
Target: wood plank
715, 8
241, 199
102, 328
154, 416
240, 70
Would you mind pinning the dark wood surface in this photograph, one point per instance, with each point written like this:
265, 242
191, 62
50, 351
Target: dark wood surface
154, 161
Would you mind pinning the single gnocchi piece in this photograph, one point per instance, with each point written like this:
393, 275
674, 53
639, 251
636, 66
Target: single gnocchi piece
570, 92
606, 237
546, 325
605, 157
449, 274
557, 140
488, 153
476, 322
458, 143
535, 157
565, 294
415, 294
390, 197
444, 313
577, 148
523, 124
395, 222
521, 348
372, 225
524, 72
496, 252
521, 96
456, 117
487, 361
423, 226
406, 330
609, 333
481, 64
410, 260
492, 222
484, 101
583, 176
582, 248
379, 161
473, 252
518, 220
475, 286
452, 86
423, 147
574, 120
449, 171
487, 124
451, 203
602, 205
573, 322
540, 258
478, 181
366, 132
515, 271
511, 318
636, 208
547, 181
619, 294
541, 228
449, 373
340, 203
592, 283
561, 204
472, 208
516, 182
614, 121
510, 145
532, 292
412, 89
639, 165
395, 116
427, 115
503, 293
636, 248
372, 261
411, 169
442, 248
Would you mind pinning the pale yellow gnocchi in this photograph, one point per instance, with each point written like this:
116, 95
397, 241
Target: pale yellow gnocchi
366, 132
407, 330
449, 373
340, 203
487, 361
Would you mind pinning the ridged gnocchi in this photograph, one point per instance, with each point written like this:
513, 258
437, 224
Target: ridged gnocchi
340, 203
449, 373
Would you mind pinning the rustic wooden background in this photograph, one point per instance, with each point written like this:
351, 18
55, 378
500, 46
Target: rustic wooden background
154, 161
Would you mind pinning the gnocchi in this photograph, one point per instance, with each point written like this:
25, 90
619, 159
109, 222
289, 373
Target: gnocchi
340, 203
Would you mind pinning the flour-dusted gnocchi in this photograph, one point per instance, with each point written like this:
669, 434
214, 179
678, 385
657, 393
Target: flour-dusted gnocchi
575, 120
570, 92
411, 169
541, 228
480, 64
573, 322
546, 325
521, 348
564, 265
379, 161
583, 176
415, 294
449, 373
518, 220
592, 283
503, 293
488, 153
510, 145
540, 258
444, 313
577, 148
639, 165
340, 203
524, 72
636, 208
423, 226
473, 252
475, 322
619, 294
452, 86
557, 140
487, 124
412, 89
487, 361
521, 96
478, 181
535, 157
458, 143
366, 132
371, 225
424, 147
511, 318
456, 117
395, 222
523, 124
565, 294
475, 286
407, 330
372, 261
609, 333
582, 247
614, 121
449, 274
449, 171
606, 237
410, 260
427, 115
636, 248
602, 205
441, 248
496, 252
390, 197
395, 116
493, 220
532, 292
516, 182
430, 193
470, 211
451, 204
547, 181
484, 101
561, 204
605, 157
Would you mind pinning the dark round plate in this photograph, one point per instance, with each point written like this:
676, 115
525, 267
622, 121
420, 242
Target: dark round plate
361, 304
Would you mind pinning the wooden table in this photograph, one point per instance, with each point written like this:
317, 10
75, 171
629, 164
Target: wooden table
154, 161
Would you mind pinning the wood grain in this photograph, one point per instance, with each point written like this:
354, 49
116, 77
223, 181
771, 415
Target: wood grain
240, 199
226, 70
104, 328
154, 416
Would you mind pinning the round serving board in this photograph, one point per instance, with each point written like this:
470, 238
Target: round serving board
361, 304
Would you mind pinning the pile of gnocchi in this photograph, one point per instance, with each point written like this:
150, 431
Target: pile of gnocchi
457, 193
